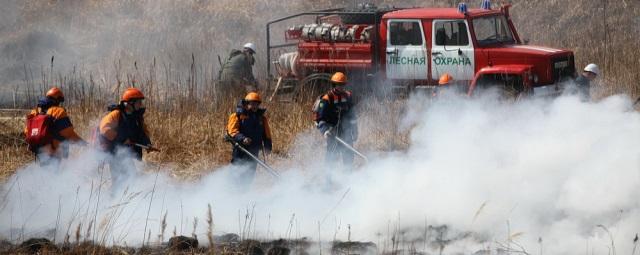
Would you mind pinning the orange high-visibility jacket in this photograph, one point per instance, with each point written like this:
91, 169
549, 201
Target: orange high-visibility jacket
250, 125
112, 132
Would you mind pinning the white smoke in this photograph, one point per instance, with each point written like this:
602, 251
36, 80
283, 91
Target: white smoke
558, 175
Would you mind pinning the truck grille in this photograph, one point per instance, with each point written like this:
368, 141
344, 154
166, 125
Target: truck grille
562, 67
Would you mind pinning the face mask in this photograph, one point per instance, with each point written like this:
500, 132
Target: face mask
132, 108
140, 111
57, 102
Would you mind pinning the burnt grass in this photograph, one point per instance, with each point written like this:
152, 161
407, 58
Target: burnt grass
187, 245
436, 237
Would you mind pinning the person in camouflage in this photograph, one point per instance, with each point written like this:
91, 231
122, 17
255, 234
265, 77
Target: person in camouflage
237, 70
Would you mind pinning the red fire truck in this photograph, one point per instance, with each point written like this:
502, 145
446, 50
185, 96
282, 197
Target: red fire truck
410, 48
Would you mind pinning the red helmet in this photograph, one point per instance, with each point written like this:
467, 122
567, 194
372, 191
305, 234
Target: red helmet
131, 94
55, 93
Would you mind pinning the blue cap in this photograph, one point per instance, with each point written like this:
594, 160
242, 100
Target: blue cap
44, 102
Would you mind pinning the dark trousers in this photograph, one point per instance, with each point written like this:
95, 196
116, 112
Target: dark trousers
121, 164
46, 160
46, 154
336, 152
246, 164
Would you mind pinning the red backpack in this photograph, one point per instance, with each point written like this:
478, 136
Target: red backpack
39, 130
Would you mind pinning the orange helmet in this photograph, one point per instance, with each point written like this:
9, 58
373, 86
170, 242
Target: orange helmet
252, 97
55, 93
131, 94
339, 78
445, 79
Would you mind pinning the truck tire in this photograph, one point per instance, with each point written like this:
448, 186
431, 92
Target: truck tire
507, 87
312, 86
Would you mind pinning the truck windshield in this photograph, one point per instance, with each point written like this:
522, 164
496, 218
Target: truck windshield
492, 30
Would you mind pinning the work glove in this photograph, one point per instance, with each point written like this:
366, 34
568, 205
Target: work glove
329, 133
246, 141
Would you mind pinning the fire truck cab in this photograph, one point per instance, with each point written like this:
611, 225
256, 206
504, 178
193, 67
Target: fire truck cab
413, 47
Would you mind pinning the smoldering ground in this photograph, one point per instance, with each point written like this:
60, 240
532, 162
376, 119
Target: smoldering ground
554, 176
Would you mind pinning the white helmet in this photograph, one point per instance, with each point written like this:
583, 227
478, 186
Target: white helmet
592, 68
250, 46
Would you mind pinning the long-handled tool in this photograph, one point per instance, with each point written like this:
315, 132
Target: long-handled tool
346, 145
254, 157
149, 148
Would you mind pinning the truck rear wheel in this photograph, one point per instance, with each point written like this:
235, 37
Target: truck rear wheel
312, 86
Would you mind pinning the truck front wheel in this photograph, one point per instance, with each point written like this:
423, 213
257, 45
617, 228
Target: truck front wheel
507, 87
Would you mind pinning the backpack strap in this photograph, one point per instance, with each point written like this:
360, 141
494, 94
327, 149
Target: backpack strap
113, 107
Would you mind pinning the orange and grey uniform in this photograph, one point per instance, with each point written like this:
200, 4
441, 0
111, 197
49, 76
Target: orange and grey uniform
334, 110
62, 130
116, 128
253, 125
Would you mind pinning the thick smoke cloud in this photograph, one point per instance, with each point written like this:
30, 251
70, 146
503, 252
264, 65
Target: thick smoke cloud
537, 174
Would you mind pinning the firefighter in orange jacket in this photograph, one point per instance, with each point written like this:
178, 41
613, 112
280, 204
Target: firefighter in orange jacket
63, 130
250, 128
334, 116
124, 125
445, 80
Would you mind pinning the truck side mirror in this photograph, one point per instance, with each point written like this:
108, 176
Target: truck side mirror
526, 41
459, 51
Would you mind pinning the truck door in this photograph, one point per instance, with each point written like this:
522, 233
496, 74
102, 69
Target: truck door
452, 50
406, 51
